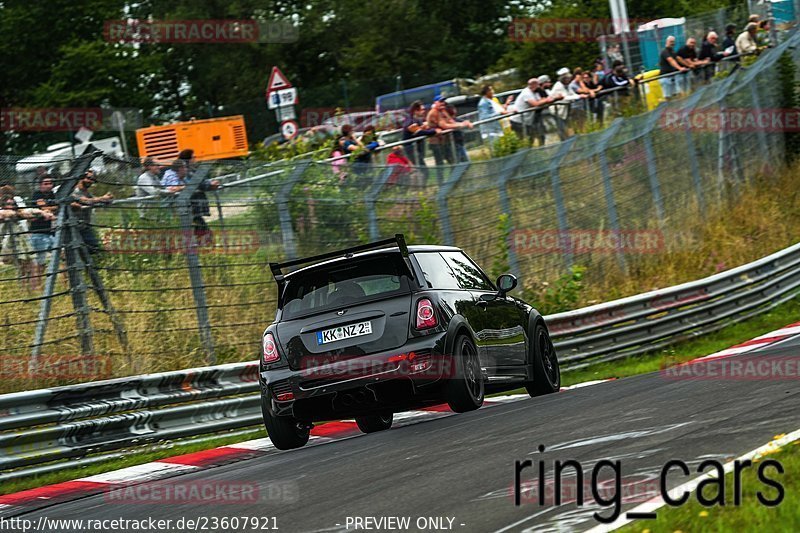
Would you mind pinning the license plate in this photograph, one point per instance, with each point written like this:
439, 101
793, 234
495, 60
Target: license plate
344, 332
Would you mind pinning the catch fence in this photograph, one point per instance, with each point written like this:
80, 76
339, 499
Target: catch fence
180, 278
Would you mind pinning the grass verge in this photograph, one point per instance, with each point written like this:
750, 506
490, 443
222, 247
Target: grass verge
748, 516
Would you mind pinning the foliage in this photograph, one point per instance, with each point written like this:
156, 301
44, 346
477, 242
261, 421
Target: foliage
508, 144
500, 263
564, 294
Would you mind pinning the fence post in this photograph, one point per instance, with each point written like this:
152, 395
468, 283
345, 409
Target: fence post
688, 108
652, 169
284, 216
63, 196
184, 202
558, 197
608, 189
371, 197
221, 219
75, 269
511, 165
441, 199
762, 136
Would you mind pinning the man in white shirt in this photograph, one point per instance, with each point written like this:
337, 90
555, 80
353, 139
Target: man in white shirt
529, 98
746, 41
562, 89
148, 184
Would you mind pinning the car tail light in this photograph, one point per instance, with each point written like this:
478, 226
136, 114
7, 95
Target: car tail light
285, 396
270, 349
426, 317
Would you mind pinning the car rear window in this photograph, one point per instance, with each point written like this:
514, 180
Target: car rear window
344, 284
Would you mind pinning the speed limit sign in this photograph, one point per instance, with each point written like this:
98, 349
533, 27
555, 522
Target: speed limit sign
289, 129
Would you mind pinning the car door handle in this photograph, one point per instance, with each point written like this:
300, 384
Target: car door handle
483, 304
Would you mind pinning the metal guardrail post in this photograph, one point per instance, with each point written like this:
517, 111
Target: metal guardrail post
284, 216
371, 197
511, 165
184, 201
558, 197
63, 196
441, 199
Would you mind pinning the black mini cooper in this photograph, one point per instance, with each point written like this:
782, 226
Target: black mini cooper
384, 327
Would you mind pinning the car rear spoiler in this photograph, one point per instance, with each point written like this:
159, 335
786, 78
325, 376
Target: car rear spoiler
399, 240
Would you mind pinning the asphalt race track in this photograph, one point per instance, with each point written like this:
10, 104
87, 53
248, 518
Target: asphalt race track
462, 467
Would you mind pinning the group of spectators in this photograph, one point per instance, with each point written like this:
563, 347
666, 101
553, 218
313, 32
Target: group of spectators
27, 228
678, 66
156, 182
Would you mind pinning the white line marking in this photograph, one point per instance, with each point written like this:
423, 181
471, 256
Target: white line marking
142, 472
794, 330
658, 502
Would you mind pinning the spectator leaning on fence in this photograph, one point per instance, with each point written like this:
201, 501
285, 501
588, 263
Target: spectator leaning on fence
415, 126
530, 121
439, 118
709, 55
687, 57
41, 227
746, 41
83, 205
490, 107
668, 63
147, 184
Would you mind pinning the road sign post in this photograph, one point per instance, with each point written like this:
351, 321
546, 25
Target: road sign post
282, 97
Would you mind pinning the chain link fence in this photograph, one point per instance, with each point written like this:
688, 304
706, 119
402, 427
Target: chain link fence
147, 282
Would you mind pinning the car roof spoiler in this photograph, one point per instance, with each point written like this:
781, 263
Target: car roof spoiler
399, 240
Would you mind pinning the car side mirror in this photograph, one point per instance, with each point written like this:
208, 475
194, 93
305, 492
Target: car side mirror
506, 283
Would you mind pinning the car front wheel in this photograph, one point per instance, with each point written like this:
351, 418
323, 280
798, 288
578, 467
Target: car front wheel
285, 432
465, 389
546, 372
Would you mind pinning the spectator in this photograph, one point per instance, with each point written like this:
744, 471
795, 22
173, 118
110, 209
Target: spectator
439, 118
599, 73
490, 107
762, 34
746, 41
563, 90
83, 205
402, 171
339, 163
458, 135
15, 247
729, 43
619, 81
147, 184
198, 199
531, 121
668, 63
687, 57
41, 227
414, 127
709, 56
363, 156
545, 85
596, 105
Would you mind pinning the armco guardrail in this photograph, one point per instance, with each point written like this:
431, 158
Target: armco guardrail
67, 422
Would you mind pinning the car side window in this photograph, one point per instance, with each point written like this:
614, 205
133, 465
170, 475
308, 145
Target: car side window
468, 275
436, 270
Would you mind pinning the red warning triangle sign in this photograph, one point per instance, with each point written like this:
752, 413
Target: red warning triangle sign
277, 81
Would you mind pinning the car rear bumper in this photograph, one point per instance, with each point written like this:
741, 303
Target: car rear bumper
396, 379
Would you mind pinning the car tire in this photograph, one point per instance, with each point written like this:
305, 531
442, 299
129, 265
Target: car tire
465, 389
373, 423
285, 432
546, 372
